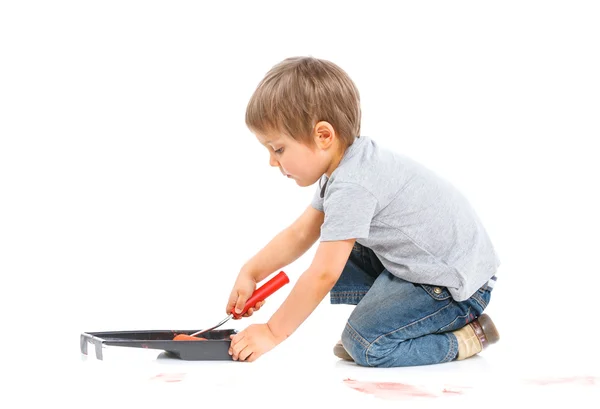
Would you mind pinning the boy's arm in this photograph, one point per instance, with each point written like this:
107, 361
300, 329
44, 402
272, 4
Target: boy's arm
312, 286
287, 246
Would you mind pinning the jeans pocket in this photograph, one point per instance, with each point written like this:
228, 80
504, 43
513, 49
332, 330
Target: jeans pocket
436, 292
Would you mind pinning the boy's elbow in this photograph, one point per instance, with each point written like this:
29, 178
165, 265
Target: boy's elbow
327, 278
304, 237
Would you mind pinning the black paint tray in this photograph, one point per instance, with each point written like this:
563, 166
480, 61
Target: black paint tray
215, 348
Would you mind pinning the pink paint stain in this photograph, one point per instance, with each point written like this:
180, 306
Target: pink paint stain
168, 377
395, 390
573, 380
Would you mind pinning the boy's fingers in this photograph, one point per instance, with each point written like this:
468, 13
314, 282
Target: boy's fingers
235, 338
241, 352
236, 348
253, 310
240, 303
231, 303
245, 353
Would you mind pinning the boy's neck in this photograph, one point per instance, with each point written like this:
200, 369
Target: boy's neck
335, 162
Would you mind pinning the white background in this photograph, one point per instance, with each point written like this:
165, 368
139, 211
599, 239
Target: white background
131, 191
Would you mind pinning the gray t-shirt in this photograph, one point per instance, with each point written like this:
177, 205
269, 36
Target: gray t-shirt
421, 227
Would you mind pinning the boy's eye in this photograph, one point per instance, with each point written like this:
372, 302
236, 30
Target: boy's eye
279, 151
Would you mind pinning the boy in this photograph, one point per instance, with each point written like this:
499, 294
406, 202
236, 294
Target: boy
397, 241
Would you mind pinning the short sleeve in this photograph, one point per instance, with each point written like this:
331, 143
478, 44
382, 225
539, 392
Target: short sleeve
349, 209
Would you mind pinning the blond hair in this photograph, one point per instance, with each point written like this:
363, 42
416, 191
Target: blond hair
299, 92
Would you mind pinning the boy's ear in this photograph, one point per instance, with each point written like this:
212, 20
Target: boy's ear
324, 135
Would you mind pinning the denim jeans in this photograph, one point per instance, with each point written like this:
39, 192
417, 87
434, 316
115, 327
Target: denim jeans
398, 323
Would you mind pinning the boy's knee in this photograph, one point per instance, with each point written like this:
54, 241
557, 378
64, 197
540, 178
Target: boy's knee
362, 351
365, 353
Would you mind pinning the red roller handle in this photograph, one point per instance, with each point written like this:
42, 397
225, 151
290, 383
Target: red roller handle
263, 292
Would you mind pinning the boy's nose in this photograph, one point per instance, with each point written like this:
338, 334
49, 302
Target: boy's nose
272, 161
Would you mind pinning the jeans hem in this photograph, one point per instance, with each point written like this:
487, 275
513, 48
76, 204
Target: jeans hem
347, 297
352, 333
452, 350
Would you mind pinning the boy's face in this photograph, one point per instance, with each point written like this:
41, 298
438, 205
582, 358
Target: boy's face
305, 164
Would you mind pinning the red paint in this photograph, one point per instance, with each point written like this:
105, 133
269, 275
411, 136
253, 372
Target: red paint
185, 337
579, 380
168, 377
395, 390
456, 391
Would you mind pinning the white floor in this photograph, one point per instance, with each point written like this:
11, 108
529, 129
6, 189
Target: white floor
514, 371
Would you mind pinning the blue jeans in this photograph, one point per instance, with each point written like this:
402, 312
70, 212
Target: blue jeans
398, 323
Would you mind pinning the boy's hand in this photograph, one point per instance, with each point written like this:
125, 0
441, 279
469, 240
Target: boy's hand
242, 290
252, 342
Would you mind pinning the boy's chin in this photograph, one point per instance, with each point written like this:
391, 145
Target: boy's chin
304, 183
301, 183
